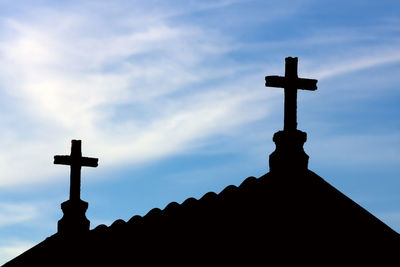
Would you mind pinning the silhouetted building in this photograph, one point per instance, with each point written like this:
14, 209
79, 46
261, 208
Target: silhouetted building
289, 215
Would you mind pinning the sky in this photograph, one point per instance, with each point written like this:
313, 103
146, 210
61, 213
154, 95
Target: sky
170, 96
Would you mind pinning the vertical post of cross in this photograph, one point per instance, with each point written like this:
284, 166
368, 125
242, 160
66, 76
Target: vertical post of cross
75, 176
290, 104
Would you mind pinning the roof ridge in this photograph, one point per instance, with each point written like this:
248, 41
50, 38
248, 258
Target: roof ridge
172, 206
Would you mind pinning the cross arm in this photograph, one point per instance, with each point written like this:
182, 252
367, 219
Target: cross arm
64, 160
283, 82
306, 84
275, 81
82, 161
89, 162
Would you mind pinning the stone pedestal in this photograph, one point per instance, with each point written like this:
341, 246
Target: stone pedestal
289, 155
74, 221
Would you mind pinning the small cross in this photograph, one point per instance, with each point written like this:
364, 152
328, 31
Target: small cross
76, 161
290, 82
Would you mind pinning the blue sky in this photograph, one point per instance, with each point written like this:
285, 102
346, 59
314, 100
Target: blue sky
170, 96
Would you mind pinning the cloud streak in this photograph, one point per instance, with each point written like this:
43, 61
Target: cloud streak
12, 213
137, 93
68, 85
381, 56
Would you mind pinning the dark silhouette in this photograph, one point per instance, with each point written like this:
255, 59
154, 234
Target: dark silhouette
290, 82
288, 216
289, 154
74, 221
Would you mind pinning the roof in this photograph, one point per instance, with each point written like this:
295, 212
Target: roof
270, 217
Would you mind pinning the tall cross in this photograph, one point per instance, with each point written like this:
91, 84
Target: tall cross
76, 161
290, 82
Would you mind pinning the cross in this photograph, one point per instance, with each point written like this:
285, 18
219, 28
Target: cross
290, 82
76, 161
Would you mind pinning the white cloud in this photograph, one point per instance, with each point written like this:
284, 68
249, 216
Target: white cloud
68, 83
200, 117
133, 89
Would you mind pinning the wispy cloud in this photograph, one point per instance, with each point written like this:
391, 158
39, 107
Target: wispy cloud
140, 87
11, 213
67, 83
373, 58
